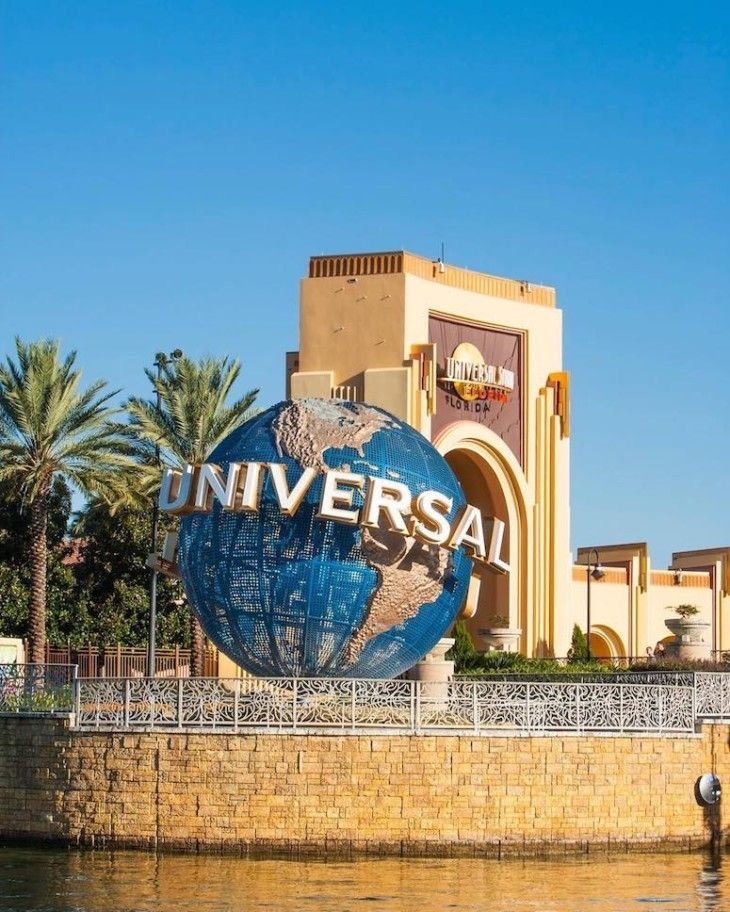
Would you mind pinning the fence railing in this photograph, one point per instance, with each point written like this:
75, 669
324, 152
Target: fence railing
685, 678
118, 661
308, 705
624, 703
713, 695
37, 688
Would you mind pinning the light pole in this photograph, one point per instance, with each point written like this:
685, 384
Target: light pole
161, 360
596, 573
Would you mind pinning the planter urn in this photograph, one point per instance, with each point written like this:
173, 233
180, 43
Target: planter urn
501, 639
692, 637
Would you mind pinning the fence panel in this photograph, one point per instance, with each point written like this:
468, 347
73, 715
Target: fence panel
103, 705
713, 695
211, 703
383, 705
346, 705
117, 661
266, 703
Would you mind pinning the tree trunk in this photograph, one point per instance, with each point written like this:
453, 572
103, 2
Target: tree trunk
38, 568
197, 650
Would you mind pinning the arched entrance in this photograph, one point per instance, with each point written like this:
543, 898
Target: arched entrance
605, 643
489, 601
492, 480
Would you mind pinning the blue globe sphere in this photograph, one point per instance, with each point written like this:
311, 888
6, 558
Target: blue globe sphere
301, 596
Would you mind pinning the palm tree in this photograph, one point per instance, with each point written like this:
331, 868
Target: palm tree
192, 417
50, 428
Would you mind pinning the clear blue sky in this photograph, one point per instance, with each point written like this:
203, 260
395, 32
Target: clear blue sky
168, 167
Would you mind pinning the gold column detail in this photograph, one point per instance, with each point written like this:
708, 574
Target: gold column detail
423, 358
560, 382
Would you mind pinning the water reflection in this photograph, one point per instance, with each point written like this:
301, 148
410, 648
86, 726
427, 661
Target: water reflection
50, 880
709, 883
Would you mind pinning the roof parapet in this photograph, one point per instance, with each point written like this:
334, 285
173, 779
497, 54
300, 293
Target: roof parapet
392, 262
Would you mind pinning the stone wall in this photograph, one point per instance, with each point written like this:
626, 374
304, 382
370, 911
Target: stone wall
377, 794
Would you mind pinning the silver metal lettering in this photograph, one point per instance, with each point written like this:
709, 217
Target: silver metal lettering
496, 537
336, 502
429, 521
176, 488
469, 531
290, 500
212, 484
391, 498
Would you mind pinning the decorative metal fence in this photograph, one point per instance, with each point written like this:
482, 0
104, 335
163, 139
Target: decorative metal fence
685, 678
654, 702
342, 706
37, 688
117, 661
713, 695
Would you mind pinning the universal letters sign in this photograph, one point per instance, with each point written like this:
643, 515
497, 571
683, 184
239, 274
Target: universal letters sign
387, 504
473, 379
479, 379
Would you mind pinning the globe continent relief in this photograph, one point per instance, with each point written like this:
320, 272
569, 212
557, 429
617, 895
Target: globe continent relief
298, 596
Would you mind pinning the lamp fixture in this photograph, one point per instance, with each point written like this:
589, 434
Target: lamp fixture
162, 360
595, 572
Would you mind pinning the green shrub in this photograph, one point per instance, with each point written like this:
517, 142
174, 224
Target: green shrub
467, 661
578, 646
684, 611
499, 663
54, 700
462, 653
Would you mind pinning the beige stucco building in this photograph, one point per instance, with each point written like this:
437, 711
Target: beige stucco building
475, 363
629, 606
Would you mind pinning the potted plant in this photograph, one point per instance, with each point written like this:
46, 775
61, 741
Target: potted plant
690, 632
499, 635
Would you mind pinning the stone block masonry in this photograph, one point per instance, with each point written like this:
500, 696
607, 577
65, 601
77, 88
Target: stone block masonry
386, 794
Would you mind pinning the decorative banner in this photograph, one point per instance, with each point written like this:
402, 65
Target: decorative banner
479, 378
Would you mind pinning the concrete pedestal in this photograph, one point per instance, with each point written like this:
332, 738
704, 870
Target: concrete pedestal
435, 672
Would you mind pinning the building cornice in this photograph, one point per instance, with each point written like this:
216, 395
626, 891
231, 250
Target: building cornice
393, 262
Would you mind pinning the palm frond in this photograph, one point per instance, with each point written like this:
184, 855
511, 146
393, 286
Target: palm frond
193, 415
49, 427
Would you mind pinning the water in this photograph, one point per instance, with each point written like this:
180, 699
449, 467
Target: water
55, 880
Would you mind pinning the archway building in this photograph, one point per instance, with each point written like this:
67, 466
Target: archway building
475, 363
